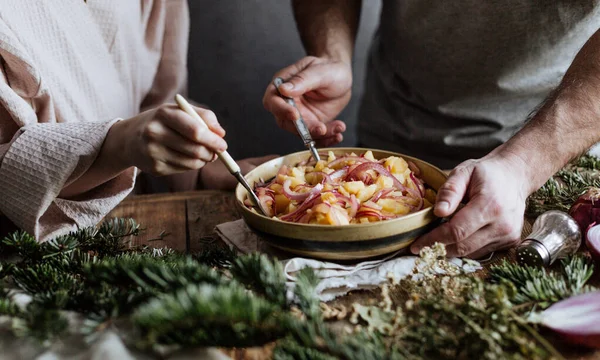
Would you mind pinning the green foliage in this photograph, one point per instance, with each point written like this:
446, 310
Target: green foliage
476, 321
150, 272
588, 162
201, 315
22, 244
537, 286
288, 349
563, 189
304, 292
111, 237
40, 278
7, 306
216, 256
41, 324
217, 299
261, 274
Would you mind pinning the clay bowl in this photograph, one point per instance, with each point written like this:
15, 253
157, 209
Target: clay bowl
348, 242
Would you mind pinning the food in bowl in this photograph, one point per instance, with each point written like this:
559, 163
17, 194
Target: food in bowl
343, 190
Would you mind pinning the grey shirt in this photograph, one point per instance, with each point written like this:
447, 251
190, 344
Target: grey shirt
451, 80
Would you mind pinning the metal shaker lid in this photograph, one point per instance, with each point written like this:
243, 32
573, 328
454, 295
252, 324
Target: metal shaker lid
534, 253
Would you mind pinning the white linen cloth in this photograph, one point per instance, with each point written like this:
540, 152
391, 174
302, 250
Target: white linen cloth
336, 279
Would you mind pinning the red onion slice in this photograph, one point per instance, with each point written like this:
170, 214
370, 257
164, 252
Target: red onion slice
340, 174
266, 197
359, 173
312, 200
414, 168
381, 194
353, 206
592, 241
292, 195
368, 212
345, 159
338, 216
371, 205
418, 184
577, 319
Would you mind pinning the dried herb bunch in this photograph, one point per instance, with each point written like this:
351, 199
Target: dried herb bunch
218, 299
451, 316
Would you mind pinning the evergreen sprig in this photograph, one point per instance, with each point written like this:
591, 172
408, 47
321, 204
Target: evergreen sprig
216, 256
588, 162
202, 315
262, 275
563, 189
150, 272
304, 293
538, 286
216, 299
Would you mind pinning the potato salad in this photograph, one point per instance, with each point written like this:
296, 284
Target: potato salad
349, 189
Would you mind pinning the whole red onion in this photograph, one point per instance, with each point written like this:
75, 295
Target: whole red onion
586, 210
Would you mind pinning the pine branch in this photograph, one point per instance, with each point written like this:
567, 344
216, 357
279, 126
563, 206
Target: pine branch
7, 306
22, 244
588, 162
216, 256
361, 345
201, 315
111, 238
288, 349
149, 272
560, 192
40, 324
262, 275
43, 278
305, 294
541, 287
107, 301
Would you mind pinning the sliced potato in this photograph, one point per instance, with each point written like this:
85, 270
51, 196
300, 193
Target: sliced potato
353, 187
366, 193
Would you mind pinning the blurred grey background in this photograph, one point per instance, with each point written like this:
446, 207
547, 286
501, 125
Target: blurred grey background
235, 48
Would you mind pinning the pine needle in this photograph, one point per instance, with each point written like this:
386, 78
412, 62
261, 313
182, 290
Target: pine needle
537, 286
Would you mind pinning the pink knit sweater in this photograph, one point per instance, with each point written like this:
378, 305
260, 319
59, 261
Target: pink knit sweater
70, 70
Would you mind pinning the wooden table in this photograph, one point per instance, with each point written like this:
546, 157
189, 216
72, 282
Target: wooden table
186, 221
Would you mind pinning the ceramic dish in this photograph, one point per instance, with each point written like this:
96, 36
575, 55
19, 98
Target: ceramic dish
344, 242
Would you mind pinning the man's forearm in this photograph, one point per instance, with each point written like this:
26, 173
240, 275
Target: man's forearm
328, 27
567, 124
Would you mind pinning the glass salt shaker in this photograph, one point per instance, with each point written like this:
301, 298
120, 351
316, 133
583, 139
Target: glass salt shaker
555, 235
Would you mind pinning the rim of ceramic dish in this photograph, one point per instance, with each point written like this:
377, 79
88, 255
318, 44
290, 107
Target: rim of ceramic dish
349, 226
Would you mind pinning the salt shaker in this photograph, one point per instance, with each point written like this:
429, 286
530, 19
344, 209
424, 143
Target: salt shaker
555, 235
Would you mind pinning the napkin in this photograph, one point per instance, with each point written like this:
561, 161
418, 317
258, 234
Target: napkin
336, 279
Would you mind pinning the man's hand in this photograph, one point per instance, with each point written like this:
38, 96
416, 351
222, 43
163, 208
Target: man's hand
321, 87
215, 176
495, 188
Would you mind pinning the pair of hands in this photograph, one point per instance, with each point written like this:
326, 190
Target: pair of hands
495, 186
166, 141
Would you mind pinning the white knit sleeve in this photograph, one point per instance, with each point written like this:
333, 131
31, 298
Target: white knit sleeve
41, 160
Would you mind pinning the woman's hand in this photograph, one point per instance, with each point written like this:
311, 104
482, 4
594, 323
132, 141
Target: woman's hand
321, 88
495, 188
215, 176
166, 140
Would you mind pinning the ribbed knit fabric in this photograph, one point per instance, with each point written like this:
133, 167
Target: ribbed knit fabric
70, 70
